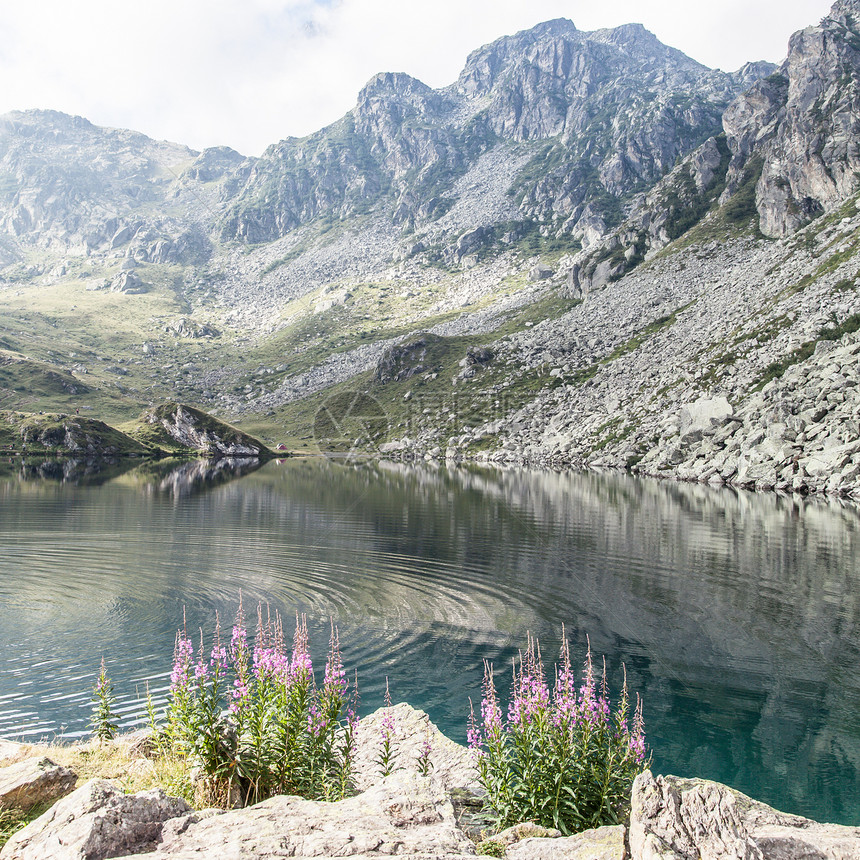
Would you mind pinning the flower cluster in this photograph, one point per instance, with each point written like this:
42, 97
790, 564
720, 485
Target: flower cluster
563, 758
252, 718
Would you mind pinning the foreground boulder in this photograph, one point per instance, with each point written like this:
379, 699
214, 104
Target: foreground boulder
600, 843
95, 822
402, 814
409, 814
33, 782
452, 765
693, 819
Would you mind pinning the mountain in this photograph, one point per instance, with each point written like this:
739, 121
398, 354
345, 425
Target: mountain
588, 249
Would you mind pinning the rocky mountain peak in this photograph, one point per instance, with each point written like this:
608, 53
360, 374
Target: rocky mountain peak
396, 85
31, 122
802, 124
843, 11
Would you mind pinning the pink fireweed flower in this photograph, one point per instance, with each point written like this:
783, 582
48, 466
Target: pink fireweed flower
530, 695
301, 667
218, 654
565, 687
491, 713
240, 695
637, 738
473, 734
387, 728
266, 663
352, 711
218, 657
103, 684
238, 650
317, 722
352, 720
426, 746
335, 682
183, 653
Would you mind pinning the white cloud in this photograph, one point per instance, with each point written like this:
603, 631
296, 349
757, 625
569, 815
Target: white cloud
209, 72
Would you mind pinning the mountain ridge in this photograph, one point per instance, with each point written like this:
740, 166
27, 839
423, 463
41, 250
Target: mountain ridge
571, 203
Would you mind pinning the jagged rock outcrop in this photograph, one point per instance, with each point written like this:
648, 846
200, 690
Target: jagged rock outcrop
686, 819
788, 152
803, 122
196, 430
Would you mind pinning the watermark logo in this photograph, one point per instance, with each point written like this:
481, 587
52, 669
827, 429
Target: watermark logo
350, 424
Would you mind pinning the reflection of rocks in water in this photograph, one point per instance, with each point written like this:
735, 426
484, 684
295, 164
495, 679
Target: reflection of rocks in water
90, 472
199, 475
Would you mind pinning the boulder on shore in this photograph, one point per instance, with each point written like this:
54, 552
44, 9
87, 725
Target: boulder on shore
94, 822
687, 819
32, 782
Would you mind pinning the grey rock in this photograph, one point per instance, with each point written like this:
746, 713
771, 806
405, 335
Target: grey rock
601, 843
452, 766
34, 781
540, 272
10, 750
691, 819
95, 822
703, 414
129, 283
524, 830
402, 814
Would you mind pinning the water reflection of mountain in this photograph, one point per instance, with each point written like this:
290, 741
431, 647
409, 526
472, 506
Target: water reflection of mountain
177, 478
86, 472
180, 479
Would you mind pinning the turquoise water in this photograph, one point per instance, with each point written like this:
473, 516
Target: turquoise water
736, 614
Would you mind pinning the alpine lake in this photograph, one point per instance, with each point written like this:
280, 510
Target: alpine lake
737, 615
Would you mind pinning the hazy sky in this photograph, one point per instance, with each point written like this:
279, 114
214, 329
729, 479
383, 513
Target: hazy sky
247, 73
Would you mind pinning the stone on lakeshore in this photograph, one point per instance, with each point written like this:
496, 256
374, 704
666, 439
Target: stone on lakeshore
687, 819
452, 765
524, 830
402, 814
33, 781
600, 843
95, 822
12, 750
703, 414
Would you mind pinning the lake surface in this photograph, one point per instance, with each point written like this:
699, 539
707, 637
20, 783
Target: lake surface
737, 615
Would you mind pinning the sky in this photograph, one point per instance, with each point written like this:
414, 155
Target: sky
248, 73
